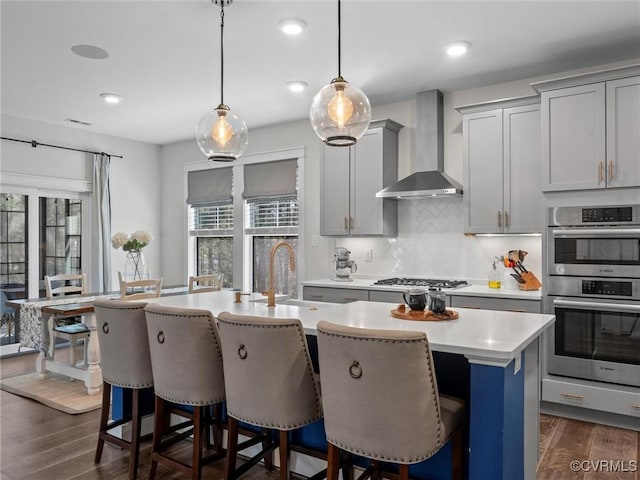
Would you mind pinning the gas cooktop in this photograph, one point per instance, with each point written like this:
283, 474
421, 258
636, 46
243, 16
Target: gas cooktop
422, 282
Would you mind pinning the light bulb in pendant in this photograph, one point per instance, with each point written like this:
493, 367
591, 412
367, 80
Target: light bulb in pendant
222, 131
340, 108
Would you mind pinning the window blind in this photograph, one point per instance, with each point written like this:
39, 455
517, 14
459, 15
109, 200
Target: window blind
210, 187
270, 179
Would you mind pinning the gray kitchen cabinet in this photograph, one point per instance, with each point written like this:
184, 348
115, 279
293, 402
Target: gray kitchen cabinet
501, 160
334, 295
351, 177
493, 303
590, 126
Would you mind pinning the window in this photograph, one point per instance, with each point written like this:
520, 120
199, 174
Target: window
234, 236
212, 227
270, 219
60, 236
13, 245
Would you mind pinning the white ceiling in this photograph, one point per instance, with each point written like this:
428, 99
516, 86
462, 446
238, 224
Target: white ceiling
164, 55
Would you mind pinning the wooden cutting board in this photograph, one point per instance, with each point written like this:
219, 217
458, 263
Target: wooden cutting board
405, 313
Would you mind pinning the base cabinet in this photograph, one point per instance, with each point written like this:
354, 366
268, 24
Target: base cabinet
334, 295
590, 127
493, 303
608, 398
351, 177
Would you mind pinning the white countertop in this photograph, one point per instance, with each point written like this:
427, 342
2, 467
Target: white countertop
471, 290
484, 336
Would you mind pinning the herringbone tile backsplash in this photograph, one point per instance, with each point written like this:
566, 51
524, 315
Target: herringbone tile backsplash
430, 243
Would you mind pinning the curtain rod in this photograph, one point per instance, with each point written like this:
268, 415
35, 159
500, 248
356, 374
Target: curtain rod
35, 144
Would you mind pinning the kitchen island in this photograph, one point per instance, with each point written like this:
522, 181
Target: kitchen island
490, 358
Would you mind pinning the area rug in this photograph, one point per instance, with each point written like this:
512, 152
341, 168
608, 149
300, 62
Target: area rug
55, 391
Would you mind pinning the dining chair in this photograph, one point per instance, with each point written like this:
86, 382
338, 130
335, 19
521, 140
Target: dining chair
269, 383
381, 401
205, 283
188, 380
139, 289
72, 328
125, 363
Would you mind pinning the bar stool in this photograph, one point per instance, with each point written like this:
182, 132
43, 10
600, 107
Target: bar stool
187, 371
270, 383
381, 400
125, 362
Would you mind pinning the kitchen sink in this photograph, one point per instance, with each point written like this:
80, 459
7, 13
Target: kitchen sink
293, 302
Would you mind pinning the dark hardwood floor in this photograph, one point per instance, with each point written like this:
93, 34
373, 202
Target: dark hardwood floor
40, 443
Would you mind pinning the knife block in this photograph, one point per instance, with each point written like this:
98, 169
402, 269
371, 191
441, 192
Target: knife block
530, 282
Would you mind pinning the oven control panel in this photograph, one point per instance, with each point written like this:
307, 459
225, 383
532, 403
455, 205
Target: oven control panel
607, 214
606, 287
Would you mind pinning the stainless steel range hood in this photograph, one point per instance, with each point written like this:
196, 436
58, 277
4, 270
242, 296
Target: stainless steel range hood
430, 180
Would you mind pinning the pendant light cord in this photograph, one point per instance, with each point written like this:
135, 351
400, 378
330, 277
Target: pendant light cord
339, 42
222, 52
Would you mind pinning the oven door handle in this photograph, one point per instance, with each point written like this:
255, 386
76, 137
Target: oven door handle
598, 232
597, 305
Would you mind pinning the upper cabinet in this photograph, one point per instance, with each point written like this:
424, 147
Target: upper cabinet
350, 179
501, 163
590, 126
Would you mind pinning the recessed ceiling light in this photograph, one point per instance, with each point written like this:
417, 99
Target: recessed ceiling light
90, 51
297, 85
292, 26
112, 98
457, 49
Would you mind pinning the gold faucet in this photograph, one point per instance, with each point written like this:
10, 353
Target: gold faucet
271, 294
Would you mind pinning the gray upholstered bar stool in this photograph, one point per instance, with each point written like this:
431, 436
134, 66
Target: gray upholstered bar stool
381, 401
187, 371
125, 362
269, 383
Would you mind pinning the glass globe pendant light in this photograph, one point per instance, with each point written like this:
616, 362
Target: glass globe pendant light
221, 134
340, 113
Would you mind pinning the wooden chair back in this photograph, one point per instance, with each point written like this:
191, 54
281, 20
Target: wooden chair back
139, 289
57, 284
205, 283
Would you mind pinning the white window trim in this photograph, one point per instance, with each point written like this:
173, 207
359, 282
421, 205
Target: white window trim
242, 248
34, 187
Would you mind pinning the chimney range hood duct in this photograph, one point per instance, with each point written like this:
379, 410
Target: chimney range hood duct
430, 181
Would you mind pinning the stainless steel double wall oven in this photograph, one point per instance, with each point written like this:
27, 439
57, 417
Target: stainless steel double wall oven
593, 288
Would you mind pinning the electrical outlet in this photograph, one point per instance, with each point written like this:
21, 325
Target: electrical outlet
368, 255
314, 240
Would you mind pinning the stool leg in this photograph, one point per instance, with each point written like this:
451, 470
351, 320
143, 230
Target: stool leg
196, 456
268, 460
232, 447
404, 472
104, 418
72, 352
158, 429
333, 462
284, 455
136, 425
457, 454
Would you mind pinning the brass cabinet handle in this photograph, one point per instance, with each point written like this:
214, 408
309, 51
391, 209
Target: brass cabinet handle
499, 219
346, 223
316, 296
610, 170
600, 172
506, 219
572, 396
518, 310
470, 306
352, 223
350, 299
635, 405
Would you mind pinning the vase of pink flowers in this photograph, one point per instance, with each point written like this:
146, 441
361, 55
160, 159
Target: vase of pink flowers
135, 267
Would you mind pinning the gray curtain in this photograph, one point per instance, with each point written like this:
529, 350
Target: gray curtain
101, 224
270, 179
